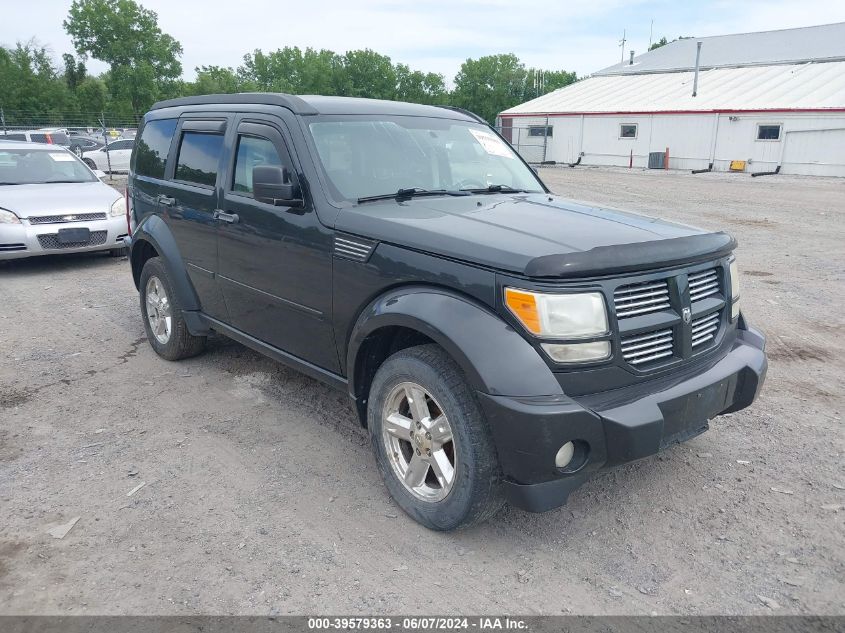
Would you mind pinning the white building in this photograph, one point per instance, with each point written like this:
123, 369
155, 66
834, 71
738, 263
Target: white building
772, 99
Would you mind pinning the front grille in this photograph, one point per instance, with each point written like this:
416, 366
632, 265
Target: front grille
642, 298
67, 217
7, 248
703, 284
50, 241
647, 348
704, 329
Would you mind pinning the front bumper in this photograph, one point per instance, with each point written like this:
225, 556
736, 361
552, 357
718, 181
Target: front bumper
22, 240
617, 426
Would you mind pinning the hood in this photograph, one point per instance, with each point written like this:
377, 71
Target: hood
538, 235
57, 198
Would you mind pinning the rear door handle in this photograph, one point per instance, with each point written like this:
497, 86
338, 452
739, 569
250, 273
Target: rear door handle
231, 218
166, 201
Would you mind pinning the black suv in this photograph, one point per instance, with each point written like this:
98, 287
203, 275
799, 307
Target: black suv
498, 342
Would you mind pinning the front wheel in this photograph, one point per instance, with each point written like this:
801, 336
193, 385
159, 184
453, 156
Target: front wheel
166, 329
431, 441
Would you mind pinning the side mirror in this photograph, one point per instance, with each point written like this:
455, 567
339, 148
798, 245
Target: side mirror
273, 184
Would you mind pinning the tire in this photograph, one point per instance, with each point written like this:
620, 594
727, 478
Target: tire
173, 342
473, 495
90, 163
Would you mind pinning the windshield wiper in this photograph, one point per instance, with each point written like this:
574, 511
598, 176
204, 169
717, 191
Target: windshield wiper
413, 192
497, 189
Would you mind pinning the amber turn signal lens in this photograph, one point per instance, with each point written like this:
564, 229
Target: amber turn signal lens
524, 307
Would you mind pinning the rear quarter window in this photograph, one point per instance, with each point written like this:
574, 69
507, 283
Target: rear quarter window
152, 148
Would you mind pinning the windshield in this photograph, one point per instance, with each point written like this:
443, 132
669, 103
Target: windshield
375, 156
26, 166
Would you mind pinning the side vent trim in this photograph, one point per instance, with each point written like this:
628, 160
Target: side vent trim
353, 248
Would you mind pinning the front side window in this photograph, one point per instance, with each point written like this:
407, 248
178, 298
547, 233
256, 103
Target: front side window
364, 156
768, 132
41, 166
252, 152
151, 150
628, 130
198, 157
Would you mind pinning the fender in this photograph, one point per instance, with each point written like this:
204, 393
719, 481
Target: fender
494, 357
155, 231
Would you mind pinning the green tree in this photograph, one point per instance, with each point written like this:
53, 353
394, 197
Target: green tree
366, 74
33, 92
488, 85
215, 80
75, 71
418, 87
144, 61
661, 42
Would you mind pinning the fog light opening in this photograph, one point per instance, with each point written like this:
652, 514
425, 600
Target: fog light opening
565, 455
572, 456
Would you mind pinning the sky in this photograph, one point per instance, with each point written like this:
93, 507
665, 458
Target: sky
435, 35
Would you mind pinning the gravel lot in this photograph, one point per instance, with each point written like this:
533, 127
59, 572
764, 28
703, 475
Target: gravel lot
261, 495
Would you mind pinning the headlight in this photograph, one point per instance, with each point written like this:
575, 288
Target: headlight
733, 271
7, 217
574, 315
118, 207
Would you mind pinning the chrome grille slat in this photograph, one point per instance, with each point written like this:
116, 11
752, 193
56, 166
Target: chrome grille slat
704, 329
642, 298
703, 284
648, 347
349, 248
66, 217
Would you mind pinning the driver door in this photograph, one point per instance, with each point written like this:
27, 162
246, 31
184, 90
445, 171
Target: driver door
274, 262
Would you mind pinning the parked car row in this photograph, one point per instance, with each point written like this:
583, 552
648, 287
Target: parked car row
111, 157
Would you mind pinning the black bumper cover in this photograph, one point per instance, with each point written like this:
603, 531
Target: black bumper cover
618, 426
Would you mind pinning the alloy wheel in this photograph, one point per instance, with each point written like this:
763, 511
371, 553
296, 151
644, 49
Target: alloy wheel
419, 442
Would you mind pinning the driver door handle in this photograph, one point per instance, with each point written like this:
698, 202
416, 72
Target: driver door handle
166, 201
231, 218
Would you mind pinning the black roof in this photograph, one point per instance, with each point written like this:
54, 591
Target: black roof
316, 104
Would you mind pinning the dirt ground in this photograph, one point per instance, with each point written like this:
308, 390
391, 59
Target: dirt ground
261, 496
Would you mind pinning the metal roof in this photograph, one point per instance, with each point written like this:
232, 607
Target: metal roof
783, 87
812, 43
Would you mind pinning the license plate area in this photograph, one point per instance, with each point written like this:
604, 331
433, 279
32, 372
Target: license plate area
74, 235
687, 414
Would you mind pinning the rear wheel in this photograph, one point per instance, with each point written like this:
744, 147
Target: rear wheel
431, 441
166, 329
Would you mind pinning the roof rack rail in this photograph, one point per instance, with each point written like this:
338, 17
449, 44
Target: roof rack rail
291, 102
466, 112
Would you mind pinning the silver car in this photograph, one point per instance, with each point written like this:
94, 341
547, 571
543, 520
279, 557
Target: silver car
51, 202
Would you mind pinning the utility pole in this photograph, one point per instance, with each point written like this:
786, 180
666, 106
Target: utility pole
3, 120
622, 45
650, 34
105, 139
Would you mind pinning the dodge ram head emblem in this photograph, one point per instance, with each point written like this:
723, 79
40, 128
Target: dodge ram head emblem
687, 315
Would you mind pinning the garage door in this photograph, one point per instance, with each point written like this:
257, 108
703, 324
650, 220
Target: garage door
814, 152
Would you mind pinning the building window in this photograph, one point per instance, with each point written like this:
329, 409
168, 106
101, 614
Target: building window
768, 132
540, 130
628, 130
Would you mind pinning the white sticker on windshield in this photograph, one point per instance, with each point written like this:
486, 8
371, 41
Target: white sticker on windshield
61, 156
492, 144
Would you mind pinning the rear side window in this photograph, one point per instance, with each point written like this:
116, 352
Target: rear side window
14, 137
198, 157
152, 149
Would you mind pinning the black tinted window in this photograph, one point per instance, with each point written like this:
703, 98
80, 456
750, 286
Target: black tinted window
252, 152
153, 146
14, 137
768, 132
198, 154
